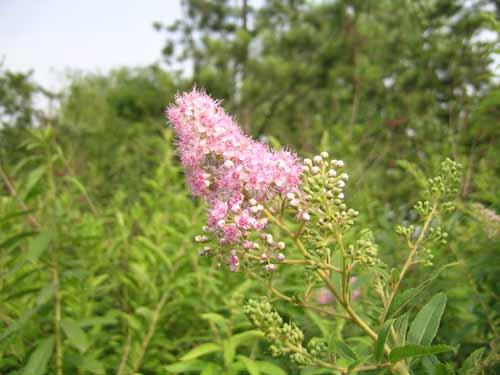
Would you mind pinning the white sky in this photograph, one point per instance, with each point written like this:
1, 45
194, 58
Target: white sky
50, 36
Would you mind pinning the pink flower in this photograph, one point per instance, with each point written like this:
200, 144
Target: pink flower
325, 297
228, 169
233, 261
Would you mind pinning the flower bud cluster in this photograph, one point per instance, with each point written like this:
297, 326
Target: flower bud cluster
317, 347
282, 335
323, 187
365, 252
445, 185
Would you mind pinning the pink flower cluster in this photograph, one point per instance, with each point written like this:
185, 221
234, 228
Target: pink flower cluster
234, 174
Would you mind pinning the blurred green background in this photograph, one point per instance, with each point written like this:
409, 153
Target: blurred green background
98, 270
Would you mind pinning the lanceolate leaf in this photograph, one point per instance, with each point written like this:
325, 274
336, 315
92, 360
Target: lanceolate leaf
410, 351
250, 364
270, 368
37, 363
201, 350
424, 327
76, 336
409, 295
382, 338
344, 350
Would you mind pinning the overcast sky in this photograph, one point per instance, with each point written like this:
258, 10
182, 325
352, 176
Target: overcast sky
52, 35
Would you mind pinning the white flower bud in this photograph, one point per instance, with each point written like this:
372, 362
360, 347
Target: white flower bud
305, 216
317, 159
252, 202
315, 170
344, 176
269, 239
332, 173
340, 163
280, 257
221, 223
290, 196
341, 196
280, 245
294, 203
270, 267
324, 155
228, 164
308, 162
341, 183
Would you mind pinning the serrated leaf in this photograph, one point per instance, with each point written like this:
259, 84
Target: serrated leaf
37, 363
250, 365
76, 336
410, 351
424, 327
201, 350
381, 339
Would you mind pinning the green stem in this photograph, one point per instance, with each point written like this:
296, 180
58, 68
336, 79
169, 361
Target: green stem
57, 322
409, 261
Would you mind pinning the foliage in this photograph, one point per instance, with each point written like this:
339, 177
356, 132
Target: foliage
98, 269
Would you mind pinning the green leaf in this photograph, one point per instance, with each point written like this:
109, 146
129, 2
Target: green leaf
424, 327
216, 319
246, 338
401, 327
92, 365
13, 240
472, 361
43, 297
409, 351
201, 350
187, 366
211, 369
38, 245
37, 363
76, 336
270, 368
345, 350
409, 295
229, 352
250, 364
382, 338
33, 179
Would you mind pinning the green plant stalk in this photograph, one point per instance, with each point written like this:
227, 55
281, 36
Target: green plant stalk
343, 302
151, 331
57, 321
409, 261
55, 269
126, 351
